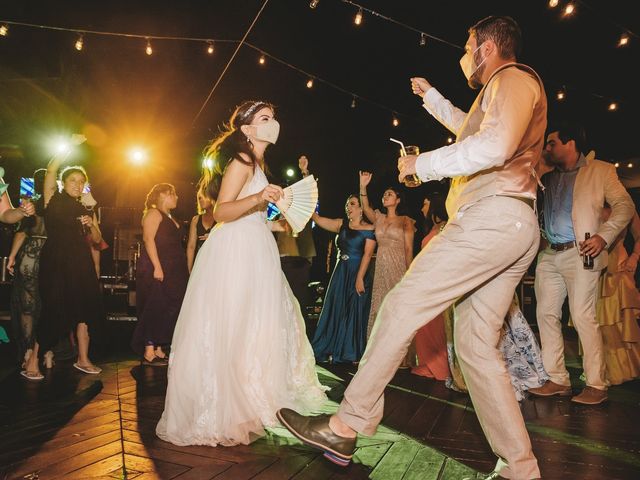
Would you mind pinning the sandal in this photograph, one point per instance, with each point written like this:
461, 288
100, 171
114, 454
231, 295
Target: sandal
33, 376
90, 369
156, 362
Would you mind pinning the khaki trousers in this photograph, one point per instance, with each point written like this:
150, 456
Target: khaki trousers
479, 258
559, 274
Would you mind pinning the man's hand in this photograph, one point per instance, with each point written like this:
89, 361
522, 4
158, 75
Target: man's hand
406, 166
419, 86
593, 246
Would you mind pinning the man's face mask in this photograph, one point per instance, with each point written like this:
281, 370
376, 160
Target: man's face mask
467, 63
268, 131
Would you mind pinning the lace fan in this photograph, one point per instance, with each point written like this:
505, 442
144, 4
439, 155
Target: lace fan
299, 202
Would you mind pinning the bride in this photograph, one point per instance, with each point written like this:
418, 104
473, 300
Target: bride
239, 351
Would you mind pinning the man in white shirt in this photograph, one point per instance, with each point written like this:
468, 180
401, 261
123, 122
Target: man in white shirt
477, 260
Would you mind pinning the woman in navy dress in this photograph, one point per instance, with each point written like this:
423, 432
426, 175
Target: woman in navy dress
161, 277
341, 335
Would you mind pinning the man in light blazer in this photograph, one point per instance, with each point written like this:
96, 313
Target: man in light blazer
574, 195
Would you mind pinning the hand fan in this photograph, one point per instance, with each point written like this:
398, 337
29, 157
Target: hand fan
299, 202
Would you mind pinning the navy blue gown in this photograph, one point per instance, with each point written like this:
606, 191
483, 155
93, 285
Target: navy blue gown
342, 328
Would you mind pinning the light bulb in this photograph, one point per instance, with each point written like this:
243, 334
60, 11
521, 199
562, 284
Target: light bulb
569, 9
553, 3
313, 3
560, 95
423, 39
624, 40
449, 139
79, 43
630, 165
4, 30
617, 164
149, 50
210, 48
613, 106
358, 19
395, 121
310, 83
261, 60
353, 102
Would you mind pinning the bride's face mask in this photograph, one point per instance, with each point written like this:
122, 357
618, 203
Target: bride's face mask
264, 127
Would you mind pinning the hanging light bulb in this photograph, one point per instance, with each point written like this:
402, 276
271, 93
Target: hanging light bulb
624, 40
617, 164
358, 19
449, 139
310, 83
261, 60
149, 50
210, 48
4, 30
353, 102
79, 43
313, 4
423, 39
560, 95
569, 9
613, 106
395, 121
553, 3
630, 165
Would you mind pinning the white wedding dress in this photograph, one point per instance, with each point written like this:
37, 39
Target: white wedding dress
239, 351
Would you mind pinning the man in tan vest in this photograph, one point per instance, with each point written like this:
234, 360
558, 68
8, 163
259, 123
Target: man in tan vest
575, 192
478, 259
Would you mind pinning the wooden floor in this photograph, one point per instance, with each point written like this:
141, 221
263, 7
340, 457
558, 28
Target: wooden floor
75, 426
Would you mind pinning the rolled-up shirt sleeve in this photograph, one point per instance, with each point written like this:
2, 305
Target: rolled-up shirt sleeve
508, 105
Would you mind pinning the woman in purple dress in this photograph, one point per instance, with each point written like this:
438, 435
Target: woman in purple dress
162, 275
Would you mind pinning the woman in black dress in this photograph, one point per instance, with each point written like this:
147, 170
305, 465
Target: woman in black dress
200, 226
69, 289
161, 278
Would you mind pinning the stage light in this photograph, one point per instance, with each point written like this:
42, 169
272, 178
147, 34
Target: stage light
62, 147
613, 106
310, 83
569, 9
210, 48
4, 30
137, 156
358, 18
553, 3
207, 163
395, 121
290, 172
262, 60
313, 3
149, 50
79, 43
423, 39
624, 40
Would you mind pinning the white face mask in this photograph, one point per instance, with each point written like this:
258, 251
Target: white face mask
268, 131
467, 64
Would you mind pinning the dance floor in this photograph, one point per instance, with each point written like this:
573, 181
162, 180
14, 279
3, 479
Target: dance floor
75, 426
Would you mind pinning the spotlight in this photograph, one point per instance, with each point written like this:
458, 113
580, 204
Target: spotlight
62, 147
290, 172
137, 156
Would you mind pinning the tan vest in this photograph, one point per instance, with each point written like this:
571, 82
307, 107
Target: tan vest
515, 177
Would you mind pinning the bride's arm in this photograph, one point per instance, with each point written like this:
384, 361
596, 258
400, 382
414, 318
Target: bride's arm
229, 207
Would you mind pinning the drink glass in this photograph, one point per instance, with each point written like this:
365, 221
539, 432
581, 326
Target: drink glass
412, 180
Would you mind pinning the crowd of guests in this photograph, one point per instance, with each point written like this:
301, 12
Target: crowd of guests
56, 294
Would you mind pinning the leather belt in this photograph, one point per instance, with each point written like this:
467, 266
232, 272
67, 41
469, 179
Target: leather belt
561, 247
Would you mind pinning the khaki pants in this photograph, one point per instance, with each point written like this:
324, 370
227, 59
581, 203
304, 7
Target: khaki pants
479, 258
559, 274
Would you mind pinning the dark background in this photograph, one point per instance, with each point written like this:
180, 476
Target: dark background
119, 96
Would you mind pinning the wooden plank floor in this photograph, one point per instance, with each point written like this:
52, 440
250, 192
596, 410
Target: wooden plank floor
75, 426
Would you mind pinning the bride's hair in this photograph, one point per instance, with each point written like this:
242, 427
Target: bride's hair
228, 146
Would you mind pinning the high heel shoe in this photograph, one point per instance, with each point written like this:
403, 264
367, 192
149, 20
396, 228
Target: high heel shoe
48, 360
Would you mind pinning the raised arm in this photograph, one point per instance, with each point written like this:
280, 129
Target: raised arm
365, 178
50, 185
228, 206
439, 107
191, 242
369, 247
329, 224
